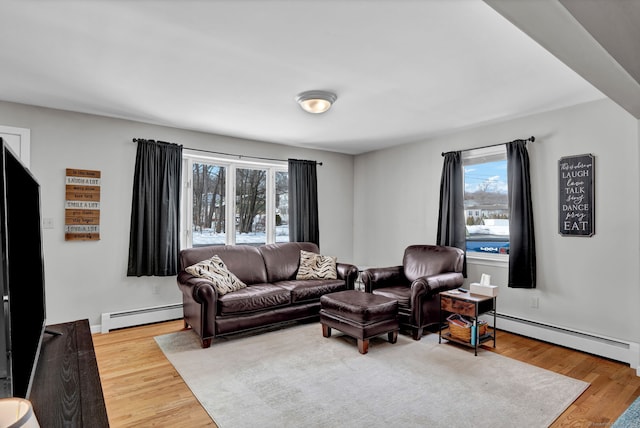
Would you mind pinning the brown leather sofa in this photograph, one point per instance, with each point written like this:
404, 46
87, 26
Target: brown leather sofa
426, 271
272, 296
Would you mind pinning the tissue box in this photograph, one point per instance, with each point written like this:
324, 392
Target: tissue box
484, 290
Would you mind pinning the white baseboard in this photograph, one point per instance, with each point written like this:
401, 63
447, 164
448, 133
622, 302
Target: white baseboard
615, 349
130, 318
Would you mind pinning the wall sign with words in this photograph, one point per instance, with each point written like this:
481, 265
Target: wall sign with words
576, 195
82, 205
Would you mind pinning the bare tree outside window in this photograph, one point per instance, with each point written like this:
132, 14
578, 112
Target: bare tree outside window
282, 206
233, 202
251, 199
209, 201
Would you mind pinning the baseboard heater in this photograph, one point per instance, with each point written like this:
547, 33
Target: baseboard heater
626, 352
130, 318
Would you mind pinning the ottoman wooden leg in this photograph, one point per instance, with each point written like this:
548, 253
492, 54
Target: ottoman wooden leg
393, 336
326, 330
363, 346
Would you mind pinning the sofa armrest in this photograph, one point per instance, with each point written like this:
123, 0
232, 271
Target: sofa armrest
374, 278
349, 273
199, 289
199, 305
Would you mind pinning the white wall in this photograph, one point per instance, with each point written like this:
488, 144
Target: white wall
586, 284
371, 208
85, 279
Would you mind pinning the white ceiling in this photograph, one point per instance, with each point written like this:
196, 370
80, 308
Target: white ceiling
403, 71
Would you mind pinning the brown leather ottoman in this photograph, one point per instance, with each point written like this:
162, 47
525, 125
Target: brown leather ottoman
359, 315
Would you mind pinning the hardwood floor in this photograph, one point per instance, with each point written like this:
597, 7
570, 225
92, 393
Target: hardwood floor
141, 388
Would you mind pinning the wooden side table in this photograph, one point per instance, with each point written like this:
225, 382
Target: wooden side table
471, 306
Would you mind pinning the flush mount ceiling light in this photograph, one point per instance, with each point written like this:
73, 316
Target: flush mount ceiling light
316, 101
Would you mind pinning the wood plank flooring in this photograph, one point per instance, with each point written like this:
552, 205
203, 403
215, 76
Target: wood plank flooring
141, 388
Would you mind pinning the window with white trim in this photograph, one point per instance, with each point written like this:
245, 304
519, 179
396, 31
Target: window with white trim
229, 202
486, 208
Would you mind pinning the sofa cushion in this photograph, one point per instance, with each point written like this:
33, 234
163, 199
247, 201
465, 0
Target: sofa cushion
401, 293
281, 260
311, 289
315, 266
215, 270
245, 261
255, 298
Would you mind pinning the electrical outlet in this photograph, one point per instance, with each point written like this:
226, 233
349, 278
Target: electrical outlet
155, 289
47, 223
535, 302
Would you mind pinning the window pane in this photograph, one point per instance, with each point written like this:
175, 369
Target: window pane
251, 185
486, 207
209, 201
282, 206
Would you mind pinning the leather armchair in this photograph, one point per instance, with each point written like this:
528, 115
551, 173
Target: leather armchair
426, 271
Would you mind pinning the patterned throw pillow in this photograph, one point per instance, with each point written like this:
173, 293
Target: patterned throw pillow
315, 266
216, 271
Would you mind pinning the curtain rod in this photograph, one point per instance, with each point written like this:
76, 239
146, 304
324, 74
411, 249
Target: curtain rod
135, 140
528, 140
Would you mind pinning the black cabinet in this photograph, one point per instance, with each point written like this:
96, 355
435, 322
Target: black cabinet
66, 389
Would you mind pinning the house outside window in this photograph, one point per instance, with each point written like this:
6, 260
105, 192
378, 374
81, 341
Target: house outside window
486, 207
229, 202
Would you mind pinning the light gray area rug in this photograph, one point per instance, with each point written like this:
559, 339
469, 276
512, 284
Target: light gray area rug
295, 377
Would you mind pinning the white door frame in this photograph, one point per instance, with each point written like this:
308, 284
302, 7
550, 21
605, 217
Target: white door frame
19, 139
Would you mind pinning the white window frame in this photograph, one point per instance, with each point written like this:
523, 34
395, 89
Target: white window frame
474, 157
189, 157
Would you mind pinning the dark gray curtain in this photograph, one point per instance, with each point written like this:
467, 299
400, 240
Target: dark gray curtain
451, 222
154, 240
303, 202
522, 247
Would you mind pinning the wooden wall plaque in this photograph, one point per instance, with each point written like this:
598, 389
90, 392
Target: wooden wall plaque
82, 205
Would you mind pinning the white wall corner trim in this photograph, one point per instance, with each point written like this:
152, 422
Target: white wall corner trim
615, 349
635, 352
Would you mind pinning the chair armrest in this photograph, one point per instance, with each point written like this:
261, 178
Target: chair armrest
434, 284
424, 289
374, 278
349, 273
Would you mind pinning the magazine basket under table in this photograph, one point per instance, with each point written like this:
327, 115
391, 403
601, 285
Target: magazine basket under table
470, 306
